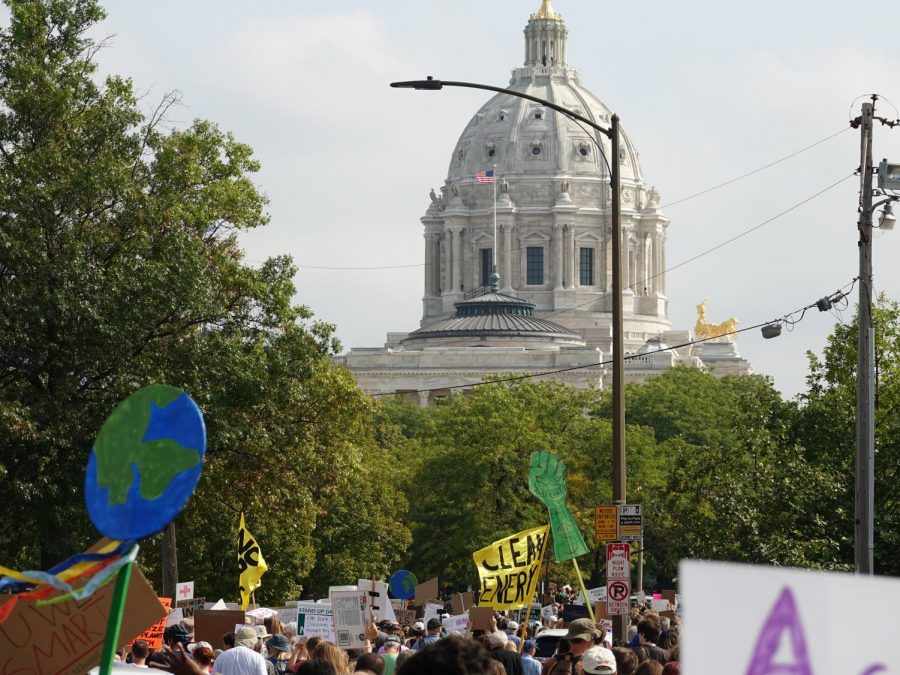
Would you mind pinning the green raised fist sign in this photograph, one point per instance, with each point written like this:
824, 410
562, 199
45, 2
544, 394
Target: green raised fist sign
547, 482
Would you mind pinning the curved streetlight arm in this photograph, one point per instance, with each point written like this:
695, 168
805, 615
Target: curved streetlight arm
432, 84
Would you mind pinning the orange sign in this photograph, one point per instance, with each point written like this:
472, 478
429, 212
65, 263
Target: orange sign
153, 636
606, 522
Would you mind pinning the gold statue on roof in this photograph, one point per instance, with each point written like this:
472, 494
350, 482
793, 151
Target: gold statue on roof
546, 12
703, 330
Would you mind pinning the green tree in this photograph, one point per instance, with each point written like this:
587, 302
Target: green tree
120, 266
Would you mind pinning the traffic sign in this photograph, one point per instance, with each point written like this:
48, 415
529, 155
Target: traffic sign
618, 596
631, 522
618, 561
606, 522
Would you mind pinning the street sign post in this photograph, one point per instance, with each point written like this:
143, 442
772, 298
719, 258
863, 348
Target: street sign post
631, 522
618, 561
606, 522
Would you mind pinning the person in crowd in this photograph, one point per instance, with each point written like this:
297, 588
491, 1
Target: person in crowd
580, 637
433, 634
370, 663
672, 668
530, 665
668, 640
512, 630
316, 667
204, 655
598, 661
228, 641
273, 625
415, 634
648, 632
496, 643
454, 655
626, 661
334, 655
139, 653
278, 649
242, 659
390, 651
649, 667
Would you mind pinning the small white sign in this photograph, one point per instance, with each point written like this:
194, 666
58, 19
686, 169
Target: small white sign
456, 624
175, 616
351, 618
384, 610
594, 594
431, 612
184, 590
315, 619
659, 605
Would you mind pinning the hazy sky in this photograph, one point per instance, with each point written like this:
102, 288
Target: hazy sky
706, 90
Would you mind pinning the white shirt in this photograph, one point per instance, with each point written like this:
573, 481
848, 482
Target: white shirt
240, 661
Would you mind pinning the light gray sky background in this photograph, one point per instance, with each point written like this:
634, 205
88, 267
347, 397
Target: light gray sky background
706, 90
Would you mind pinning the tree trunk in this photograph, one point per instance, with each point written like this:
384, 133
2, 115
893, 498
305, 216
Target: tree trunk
169, 559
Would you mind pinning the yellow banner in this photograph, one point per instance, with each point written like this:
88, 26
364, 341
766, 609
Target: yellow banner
509, 568
251, 563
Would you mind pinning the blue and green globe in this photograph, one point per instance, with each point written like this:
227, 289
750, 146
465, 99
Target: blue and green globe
145, 463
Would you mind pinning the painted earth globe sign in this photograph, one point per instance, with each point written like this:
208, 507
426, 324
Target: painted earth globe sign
145, 463
402, 584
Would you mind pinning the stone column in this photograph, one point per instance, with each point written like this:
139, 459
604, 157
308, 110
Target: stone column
429, 264
570, 256
456, 277
446, 280
558, 237
506, 260
423, 398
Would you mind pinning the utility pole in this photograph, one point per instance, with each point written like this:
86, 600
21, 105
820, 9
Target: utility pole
865, 383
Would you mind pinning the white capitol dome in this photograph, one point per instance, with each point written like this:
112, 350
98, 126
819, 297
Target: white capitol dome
553, 204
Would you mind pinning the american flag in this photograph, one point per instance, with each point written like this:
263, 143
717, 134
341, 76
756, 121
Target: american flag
485, 177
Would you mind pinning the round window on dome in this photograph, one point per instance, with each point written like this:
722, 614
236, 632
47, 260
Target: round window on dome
584, 151
536, 150
492, 152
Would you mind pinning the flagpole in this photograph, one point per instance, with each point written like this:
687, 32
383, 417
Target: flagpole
494, 271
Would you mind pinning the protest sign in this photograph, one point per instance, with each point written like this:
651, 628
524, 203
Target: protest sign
671, 596
351, 618
286, 614
396, 603
546, 611
456, 624
175, 616
189, 606
211, 624
508, 568
315, 619
460, 602
600, 611
184, 591
572, 612
66, 638
481, 618
432, 611
659, 605
153, 636
789, 621
427, 591
593, 595
406, 617
378, 599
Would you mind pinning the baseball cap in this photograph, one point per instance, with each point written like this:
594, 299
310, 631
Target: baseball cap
582, 629
530, 644
418, 625
392, 638
599, 661
513, 626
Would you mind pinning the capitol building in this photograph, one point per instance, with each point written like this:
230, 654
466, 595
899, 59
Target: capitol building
543, 225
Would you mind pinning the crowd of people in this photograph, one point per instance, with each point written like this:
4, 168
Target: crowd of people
423, 648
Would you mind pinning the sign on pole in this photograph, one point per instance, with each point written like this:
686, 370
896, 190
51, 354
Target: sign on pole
618, 561
606, 522
184, 590
631, 522
618, 596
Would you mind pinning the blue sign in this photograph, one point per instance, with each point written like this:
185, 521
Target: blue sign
402, 584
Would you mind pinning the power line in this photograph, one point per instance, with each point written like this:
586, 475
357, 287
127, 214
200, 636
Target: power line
786, 318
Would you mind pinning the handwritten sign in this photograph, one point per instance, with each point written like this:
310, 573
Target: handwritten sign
66, 638
315, 619
211, 624
153, 636
352, 618
790, 621
190, 605
456, 624
184, 591
508, 568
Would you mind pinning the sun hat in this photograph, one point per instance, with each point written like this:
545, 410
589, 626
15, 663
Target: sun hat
599, 661
246, 637
582, 629
279, 642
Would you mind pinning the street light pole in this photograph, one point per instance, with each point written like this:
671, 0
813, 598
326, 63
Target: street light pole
618, 348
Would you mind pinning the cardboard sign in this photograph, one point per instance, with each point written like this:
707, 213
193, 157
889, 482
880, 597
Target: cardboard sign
427, 591
315, 619
508, 568
461, 602
378, 599
600, 611
66, 638
153, 636
481, 617
352, 618
211, 624
189, 606
406, 617
606, 522
789, 621
671, 596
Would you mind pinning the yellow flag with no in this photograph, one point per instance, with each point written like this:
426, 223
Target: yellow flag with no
509, 568
251, 563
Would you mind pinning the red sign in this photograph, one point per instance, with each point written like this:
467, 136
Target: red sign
618, 561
